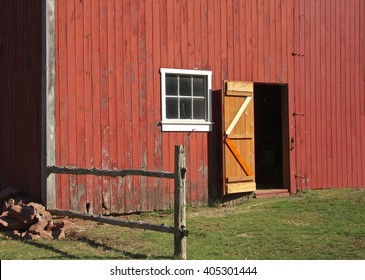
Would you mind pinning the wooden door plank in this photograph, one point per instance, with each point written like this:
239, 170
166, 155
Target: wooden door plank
240, 179
239, 93
239, 158
238, 115
239, 86
230, 161
240, 187
240, 136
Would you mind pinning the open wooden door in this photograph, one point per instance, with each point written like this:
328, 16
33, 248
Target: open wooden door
239, 145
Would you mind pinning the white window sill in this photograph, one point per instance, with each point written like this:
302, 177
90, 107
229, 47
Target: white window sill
190, 126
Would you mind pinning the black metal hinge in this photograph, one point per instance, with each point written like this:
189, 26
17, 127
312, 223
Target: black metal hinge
296, 114
184, 232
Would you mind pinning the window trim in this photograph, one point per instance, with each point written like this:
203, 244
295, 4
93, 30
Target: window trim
186, 125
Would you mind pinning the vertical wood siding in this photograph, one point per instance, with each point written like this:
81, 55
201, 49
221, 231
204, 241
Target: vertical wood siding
109, 53
108, 110
20, 95
329, 90
108, 87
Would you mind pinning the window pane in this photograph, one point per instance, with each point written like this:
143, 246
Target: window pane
199, 85
185, 85
199, 108
185, 108
171, 108
171, 85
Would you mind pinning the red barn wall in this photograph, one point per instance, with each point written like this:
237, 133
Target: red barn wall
108, 87
108, 56
20, 95
330, 90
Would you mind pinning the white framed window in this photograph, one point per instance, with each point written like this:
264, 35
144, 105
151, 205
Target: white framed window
186, 100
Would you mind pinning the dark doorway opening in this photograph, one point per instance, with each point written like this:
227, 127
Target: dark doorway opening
271, 136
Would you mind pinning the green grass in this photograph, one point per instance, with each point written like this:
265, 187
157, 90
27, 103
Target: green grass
326, 224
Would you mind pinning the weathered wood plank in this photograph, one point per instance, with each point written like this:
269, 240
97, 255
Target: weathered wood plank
112, 220
113, 102
62, 188
248, 41
80, 104
105, 172
127, 102
73, 146
48, 94
150, 112
105, 97
142, 106
180, 203
89, 124
156, 108
96, 101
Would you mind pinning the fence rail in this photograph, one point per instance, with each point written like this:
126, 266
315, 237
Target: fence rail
106, 172
112, 220
179, 175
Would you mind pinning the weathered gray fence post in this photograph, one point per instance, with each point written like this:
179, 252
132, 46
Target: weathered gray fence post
179, 176
180, 231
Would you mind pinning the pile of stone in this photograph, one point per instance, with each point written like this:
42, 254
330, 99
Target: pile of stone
23, 219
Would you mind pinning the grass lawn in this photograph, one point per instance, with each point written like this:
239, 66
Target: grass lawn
323, 224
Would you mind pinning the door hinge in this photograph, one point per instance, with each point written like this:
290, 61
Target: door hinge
295, 114
297, 54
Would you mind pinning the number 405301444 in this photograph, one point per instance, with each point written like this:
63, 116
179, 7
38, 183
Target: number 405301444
230, 270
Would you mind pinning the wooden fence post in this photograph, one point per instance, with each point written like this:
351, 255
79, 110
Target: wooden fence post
179, 176
180, 231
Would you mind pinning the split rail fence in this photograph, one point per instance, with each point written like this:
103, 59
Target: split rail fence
179, 175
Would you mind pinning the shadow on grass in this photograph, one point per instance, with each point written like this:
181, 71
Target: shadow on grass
64, 255
104, 247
